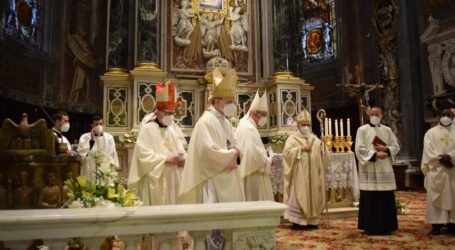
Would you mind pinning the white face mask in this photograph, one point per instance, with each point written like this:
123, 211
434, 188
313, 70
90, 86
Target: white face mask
229, 109
375, 120
65, 127
262, 121
445, 121
167, 120
305, 129
98, 129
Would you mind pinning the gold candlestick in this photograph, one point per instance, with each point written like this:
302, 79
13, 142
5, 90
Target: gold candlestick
349, 143
337, 144
329, 143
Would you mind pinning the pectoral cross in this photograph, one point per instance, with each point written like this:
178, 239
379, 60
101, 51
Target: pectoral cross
361, 91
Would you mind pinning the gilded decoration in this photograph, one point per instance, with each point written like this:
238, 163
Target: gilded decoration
384, 22
205, 29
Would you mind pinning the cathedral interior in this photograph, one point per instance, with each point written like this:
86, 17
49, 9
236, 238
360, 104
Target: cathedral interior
106, 57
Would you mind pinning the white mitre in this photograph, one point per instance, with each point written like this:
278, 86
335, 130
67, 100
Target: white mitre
259, 103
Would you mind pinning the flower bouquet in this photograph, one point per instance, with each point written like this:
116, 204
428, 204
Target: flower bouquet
130, 137
401, 207
106, 191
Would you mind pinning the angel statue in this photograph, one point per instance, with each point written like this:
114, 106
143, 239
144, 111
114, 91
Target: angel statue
210, 31
182, 27
239, 27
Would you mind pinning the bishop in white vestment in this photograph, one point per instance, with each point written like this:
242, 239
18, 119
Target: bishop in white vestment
305, 159
95, 140
255, 165
210, 174
159, 154
375, 147
438, 161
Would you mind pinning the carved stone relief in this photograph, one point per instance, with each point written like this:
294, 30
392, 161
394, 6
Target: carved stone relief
384, 21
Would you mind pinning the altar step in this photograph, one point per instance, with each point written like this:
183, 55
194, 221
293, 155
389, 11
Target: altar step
336, 213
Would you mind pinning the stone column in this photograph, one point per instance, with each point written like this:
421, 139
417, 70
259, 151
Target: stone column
117, 36
285, 35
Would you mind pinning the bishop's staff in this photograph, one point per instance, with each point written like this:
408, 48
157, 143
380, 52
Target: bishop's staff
320, 115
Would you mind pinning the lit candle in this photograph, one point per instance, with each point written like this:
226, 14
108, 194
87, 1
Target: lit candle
349, 127
341, 127
330, 126
326, 127
336, 127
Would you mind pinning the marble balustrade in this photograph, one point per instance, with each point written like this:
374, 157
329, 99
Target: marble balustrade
245, 225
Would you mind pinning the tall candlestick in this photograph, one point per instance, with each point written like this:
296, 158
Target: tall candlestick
330, 126
336, 127
326, 127
349, 127
341, 127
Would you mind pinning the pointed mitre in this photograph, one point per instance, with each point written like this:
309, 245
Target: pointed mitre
259, 103
224, 86
165, 96
304, 117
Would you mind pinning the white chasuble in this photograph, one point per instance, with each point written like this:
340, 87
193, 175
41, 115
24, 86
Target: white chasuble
304, 178
205, 177
255, 165
156, 182
439, 180
375, 175
104, 143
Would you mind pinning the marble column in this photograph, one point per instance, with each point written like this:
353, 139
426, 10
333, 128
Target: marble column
117, 44
285, 35
411, 96
147, 35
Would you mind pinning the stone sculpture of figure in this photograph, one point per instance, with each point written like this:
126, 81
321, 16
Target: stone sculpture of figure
50, 195
327, 38
24, 194
67, 175
182, 26
239, 27
12, 14
210, 30
3, 192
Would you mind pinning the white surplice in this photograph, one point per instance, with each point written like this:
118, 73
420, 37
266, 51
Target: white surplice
439, 180
104, 143
375, 175
255, 165
205, 177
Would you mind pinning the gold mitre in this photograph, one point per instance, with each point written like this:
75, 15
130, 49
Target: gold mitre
304, 117
259, 103
224, 86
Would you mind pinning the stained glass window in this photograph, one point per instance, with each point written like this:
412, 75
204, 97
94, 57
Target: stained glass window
318, 24
21, 19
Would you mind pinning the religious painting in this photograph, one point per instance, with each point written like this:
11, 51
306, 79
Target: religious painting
84, 58
212, 4
318, 25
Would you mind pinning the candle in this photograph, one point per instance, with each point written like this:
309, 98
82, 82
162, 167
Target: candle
336, 127
330, 126
349, 127
326, 127
341, 127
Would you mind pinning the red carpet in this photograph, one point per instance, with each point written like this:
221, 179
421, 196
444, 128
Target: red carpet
413, 233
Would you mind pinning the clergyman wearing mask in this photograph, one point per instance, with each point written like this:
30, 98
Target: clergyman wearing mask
96, 140
376, 147
62, 125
